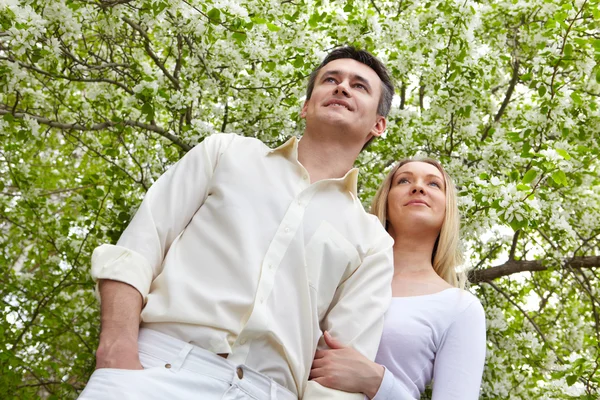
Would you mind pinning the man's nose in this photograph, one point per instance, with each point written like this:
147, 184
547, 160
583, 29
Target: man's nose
342, 88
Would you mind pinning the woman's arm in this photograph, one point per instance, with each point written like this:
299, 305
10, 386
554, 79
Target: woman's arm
344, 368
460, 359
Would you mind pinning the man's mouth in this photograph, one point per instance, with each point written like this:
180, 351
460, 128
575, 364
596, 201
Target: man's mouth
338, 103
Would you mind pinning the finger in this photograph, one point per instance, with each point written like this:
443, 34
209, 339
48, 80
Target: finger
320, 353
318, 363
324, 381
316, 373
331, 342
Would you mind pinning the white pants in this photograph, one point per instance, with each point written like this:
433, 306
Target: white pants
174, 369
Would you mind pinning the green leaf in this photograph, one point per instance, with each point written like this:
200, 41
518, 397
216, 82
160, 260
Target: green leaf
314, 19
542, 90
298, 62
571, 379
148, 111
239, 37
598, 76
563, 153
273, 27
568, 49
214, 15
576, 98
559, 178
529, 176
526, 77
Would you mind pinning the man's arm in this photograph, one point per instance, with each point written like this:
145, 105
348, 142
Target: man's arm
125, 271
121, 307
357, 309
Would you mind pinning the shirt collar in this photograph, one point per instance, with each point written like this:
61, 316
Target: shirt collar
290, 151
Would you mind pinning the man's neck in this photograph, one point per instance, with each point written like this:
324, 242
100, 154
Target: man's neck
326, 157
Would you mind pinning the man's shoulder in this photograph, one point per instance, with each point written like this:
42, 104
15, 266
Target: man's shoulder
231, 138
222, 142
367, 219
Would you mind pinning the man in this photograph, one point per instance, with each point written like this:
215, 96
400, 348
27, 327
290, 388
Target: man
240, 256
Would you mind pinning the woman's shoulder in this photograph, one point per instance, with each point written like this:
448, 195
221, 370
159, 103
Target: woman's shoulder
463, 310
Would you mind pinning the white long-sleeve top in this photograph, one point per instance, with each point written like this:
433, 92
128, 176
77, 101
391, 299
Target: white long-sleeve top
235, 251
439, 337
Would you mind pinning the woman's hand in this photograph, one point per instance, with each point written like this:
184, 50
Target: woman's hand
344, 368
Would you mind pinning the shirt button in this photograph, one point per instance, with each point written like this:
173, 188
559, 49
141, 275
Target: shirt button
305, 177
262, 300
243, 341
287, 230
271, 266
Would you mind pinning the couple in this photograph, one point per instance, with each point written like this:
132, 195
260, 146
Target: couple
240, 257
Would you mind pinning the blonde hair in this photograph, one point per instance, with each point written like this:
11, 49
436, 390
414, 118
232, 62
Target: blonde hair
446, 254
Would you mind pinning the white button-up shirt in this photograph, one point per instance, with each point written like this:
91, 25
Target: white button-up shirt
235, 251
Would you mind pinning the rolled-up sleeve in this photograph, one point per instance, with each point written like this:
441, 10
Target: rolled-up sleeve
167, 208
356, 314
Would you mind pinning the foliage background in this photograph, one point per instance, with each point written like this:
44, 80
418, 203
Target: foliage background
99, 97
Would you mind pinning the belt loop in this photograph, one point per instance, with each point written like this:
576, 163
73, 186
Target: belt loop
273, 390
178, 362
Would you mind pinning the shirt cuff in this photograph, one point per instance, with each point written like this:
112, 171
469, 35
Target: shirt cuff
390, 389
121, 264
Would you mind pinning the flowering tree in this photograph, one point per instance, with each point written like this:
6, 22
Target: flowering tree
99, 97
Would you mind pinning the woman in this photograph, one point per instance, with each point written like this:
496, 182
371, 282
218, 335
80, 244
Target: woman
433, 330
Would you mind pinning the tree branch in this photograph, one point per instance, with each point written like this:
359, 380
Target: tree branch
100, 126
512, 267
151, 53
513, 247
511, 87
531, 321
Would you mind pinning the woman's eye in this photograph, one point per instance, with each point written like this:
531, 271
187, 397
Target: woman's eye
437, 185
402, 180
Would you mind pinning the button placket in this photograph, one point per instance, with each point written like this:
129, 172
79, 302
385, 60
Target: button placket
290, 223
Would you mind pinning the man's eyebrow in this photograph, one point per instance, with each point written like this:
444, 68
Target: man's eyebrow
355, 77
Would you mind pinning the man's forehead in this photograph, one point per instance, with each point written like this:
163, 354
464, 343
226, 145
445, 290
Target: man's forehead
350, 66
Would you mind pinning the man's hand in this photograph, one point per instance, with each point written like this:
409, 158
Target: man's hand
344, 368
121, 354
121, 307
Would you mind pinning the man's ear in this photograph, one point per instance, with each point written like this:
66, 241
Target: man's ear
378, 128
304, 109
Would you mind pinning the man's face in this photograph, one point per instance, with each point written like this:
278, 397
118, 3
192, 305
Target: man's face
346, 95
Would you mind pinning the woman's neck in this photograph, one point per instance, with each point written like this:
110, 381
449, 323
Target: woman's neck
412, 253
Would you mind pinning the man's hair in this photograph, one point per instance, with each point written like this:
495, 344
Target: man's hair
364, 57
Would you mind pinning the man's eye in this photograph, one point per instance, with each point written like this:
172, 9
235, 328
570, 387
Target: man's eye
329, 80
360, 86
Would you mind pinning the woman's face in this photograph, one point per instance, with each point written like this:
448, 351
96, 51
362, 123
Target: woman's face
417, 198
